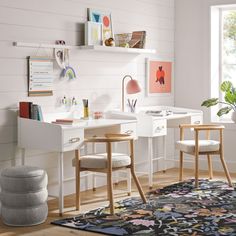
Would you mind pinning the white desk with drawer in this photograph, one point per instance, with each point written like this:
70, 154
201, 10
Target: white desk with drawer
153, 121
34, 134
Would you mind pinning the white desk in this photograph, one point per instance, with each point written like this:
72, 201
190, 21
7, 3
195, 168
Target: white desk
33, 134
151, 125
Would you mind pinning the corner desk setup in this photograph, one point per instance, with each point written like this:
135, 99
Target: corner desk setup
148, 122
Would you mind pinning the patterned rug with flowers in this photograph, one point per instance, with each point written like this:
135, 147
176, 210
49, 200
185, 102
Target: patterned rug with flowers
178, 209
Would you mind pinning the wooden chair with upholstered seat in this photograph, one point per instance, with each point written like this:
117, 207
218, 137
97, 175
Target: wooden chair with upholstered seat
106, 163
199, 147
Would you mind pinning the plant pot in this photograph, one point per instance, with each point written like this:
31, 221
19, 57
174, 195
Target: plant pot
233, 116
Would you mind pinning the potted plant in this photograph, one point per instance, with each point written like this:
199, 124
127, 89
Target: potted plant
229, 100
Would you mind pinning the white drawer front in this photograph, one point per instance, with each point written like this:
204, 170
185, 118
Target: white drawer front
72, 139
196, 120
159, 127
130, 128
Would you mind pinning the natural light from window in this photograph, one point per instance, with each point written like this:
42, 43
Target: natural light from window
223, 53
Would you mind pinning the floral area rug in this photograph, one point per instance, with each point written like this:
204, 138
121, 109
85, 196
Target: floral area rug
178, 209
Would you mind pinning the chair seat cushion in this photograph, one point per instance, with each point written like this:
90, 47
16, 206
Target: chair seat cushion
100, 161
204, 146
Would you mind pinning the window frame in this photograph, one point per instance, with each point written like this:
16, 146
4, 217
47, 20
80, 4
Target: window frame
217, 59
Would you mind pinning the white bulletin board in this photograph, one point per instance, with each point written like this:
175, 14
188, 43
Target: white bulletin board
40, 76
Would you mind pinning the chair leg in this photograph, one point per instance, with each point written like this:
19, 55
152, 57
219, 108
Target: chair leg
77, 177
181, 156
110, 192
133, 172
129, 182
196, 171
94, 182
109, 178
225, 169
210, 166
138, 185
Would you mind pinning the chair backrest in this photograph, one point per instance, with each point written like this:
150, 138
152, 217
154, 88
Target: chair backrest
197, 128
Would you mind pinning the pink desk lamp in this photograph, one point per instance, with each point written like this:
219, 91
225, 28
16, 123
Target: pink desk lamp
132, 87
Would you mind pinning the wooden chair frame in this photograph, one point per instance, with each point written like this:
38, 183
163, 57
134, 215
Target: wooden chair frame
207, 129
108, 140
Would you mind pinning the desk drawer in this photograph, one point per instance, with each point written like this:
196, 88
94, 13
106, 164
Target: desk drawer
72, 139
159, 127
129, 128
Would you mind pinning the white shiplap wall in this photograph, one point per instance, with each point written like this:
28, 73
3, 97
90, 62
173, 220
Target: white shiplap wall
99, 74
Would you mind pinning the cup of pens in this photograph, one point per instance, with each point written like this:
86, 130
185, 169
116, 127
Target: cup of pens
86, 109
132, 105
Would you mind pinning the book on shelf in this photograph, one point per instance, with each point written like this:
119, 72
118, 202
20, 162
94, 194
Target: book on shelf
138, 39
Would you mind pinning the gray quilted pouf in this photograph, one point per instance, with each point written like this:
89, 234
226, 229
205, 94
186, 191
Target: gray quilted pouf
24, 195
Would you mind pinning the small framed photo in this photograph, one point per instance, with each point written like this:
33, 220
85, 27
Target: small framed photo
104, 18
93, 33
159, 77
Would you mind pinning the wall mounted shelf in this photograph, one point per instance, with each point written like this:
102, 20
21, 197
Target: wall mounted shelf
95, 48
98, 48
42, 45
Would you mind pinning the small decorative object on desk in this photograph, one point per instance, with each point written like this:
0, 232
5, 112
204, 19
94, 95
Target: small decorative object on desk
86, 109
98, 115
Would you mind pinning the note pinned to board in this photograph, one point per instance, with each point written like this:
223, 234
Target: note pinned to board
40, 77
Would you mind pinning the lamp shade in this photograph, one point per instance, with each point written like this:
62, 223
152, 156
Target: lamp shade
132, 87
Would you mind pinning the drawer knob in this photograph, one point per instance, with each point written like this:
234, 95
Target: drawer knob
74, 140
129, 131
197, 122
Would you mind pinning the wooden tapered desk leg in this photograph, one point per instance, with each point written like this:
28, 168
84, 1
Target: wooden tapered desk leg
150, 161
61, 186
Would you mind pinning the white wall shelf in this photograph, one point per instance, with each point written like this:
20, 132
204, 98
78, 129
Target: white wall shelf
95, 48
42, 45
98, 48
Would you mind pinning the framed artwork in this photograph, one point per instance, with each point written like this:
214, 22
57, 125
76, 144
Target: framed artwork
104, 18
93, 33
159, 77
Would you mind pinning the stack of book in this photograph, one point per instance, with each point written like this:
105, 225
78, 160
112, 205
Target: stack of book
30, 111
68, 121
63, 121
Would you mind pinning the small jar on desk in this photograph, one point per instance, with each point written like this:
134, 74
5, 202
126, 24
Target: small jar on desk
97, 115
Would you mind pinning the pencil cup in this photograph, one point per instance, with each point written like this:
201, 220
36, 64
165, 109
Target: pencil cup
86, 112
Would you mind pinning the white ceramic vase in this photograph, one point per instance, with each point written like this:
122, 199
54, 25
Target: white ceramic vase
233, 116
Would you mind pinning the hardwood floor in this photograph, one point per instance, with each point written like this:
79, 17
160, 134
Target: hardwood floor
91, 200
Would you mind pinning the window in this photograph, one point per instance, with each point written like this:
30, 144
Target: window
223, 52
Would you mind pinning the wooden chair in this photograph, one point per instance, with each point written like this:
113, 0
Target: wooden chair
198, 147
106, 163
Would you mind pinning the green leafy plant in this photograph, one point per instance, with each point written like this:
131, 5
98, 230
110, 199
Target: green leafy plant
229, 99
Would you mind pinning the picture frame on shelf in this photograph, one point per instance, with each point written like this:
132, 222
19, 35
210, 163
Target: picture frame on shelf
104, 18
159, 77
93, 33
